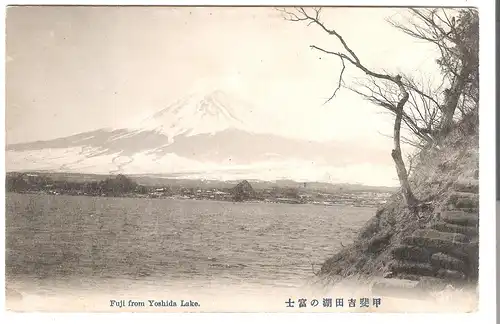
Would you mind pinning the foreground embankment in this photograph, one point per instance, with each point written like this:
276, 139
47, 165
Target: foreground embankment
438, 241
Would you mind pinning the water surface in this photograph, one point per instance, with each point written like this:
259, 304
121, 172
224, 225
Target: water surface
69, 244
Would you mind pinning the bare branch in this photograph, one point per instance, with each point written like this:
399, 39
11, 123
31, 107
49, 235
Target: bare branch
341, 81
420, 108
341, 55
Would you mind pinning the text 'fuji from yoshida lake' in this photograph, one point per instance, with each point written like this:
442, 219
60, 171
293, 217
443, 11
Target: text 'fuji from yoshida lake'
153, 303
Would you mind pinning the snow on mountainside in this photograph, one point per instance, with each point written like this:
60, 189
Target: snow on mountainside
197, 114
203, 136
173, 166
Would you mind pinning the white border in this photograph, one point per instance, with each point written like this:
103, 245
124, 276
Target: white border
487, 272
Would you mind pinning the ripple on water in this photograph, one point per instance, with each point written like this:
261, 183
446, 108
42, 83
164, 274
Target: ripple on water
177, 241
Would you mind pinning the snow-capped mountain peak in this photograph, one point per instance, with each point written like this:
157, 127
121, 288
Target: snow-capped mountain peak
197, 114
212, 135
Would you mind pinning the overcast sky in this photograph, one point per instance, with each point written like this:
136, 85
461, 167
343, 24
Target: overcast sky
72, 69
76, 69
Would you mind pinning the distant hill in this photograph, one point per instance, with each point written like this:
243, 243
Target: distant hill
243, 191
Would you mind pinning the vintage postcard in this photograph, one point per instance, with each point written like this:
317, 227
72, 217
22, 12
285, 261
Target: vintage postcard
242, 159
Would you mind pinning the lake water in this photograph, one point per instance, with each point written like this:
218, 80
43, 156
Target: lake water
81, 246
72, 254
60, 236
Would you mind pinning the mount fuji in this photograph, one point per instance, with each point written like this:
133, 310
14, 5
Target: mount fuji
211, 136
197, 114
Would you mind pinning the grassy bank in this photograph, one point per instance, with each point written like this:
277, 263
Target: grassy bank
436, 172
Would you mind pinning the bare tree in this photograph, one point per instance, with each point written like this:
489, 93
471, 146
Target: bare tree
427, 110
456, 35
395, 89
422, 114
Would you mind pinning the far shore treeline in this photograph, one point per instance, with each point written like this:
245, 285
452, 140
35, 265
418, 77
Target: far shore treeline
117, 186
125, 186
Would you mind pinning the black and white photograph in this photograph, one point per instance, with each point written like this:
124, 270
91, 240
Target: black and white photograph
242, 159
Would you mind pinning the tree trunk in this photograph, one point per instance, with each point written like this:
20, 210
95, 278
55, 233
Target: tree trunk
451, 101
408, 196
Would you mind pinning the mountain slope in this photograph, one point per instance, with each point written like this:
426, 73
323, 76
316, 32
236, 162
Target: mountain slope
230, 154
198, 136
195, 114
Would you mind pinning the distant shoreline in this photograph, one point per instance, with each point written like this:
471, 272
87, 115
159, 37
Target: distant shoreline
159, 180
124, 186
177, 198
